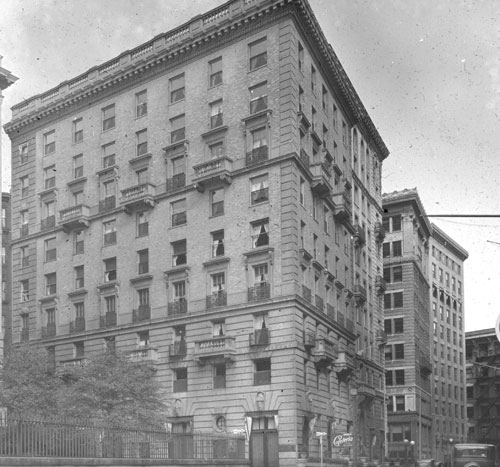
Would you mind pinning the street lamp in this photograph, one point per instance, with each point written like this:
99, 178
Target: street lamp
412, 452
451, 452
320, 435
406, 451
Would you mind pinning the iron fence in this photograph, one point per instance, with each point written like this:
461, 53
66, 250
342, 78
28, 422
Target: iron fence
20, 437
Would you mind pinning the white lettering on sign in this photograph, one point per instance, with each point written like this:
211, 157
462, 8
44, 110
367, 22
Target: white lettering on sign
344, 439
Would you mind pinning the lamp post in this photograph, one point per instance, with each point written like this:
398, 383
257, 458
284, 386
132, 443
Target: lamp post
406, 452
451, 452
412, 452
320, 435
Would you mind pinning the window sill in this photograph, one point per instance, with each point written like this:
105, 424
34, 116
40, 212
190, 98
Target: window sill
213, 131
216, 260
77, 181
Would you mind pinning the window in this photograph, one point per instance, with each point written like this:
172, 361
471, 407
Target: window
109, 229
301, 56
110, 302
49, 177
50, 249
313, 79
259, 138
216, 149
143, 261
218, 281
110, 270
302, 192
79, 277
395, 377
49, 208
397, 274
178, 212
258, 53
258, 98
217, 202
399, 351
218, 243
80, 310
49, 142
262, 371
108, 155
396, 248
142, 223
24, 181
108, 117
23, 153
78, 242
25, 290
50, 284
220, 376
180, 380
177, 88
24, 254
178, 130
108, 193
215, 72
393, 300
179, 253
78, 166
77, 130
324, 97
179, 291
79, 349
142, 142
260, 233
141, 104
260, 272
260, 189
143, 298
216, 115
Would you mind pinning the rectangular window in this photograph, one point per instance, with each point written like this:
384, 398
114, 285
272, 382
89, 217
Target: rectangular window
179, 291
141, 104
313, 79
215, 72
262, 371
216, 115
220, 376
79, 277
260, 233
109, 229
142, 142
396, 248
78, 166
397, 274
396, 223
259, 189
24, 181
23, 153
49, 176
399, 351
77, 130
258, 98
398, 326
49, 142
143, 261
49, 209
217, 243
399, 377
142, 223
80, 310
179, 253
24, 253
258, 53
78, 242
110, 270
177, 88
108, 117
324, 97
143, 297
178, 130
180, 380
50, 284
260, 272
301, 56
108, 155
25, 290
110, 304
50, 249
216, 150
218, 282
217, 202
142, 176
178, 209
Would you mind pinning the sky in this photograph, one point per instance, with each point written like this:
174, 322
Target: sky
427, 71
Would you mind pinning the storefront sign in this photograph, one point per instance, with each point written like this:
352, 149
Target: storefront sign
343, 440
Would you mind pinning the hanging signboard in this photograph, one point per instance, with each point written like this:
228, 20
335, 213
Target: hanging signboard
342, 440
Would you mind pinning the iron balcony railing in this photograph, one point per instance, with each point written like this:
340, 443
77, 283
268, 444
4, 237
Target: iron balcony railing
177, 307
257, 155
141, 314
176, 182
49, 330
216, 299
77, 325
108, 319
259, 292
259, 337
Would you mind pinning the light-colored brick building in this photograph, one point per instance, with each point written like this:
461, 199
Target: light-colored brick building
210, 201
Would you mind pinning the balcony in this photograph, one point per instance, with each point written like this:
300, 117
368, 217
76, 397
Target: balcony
176, 182
143, 354
48, 223
344, 365
142, 313
49, 330
260, 291
216, 299
215, 349
259, 337
107, 320
379, 232
343, 209
74, 217
366, 392
309, 340
324, 352
178, 307
306, 293
303, 120
107, 204
359, 235
380, 285
77, 325
304, 157
359, 294
214, 171
320, 183
177, 349
256, 156
138, 196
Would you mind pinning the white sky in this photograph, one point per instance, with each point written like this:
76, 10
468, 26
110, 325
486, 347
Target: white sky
428, 72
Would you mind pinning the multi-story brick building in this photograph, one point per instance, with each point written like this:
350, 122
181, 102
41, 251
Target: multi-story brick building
210, 201
6, 272
406, 303
446, 264
483, 386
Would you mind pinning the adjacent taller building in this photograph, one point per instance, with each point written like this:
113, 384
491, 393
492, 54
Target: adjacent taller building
210, 202
424, 321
